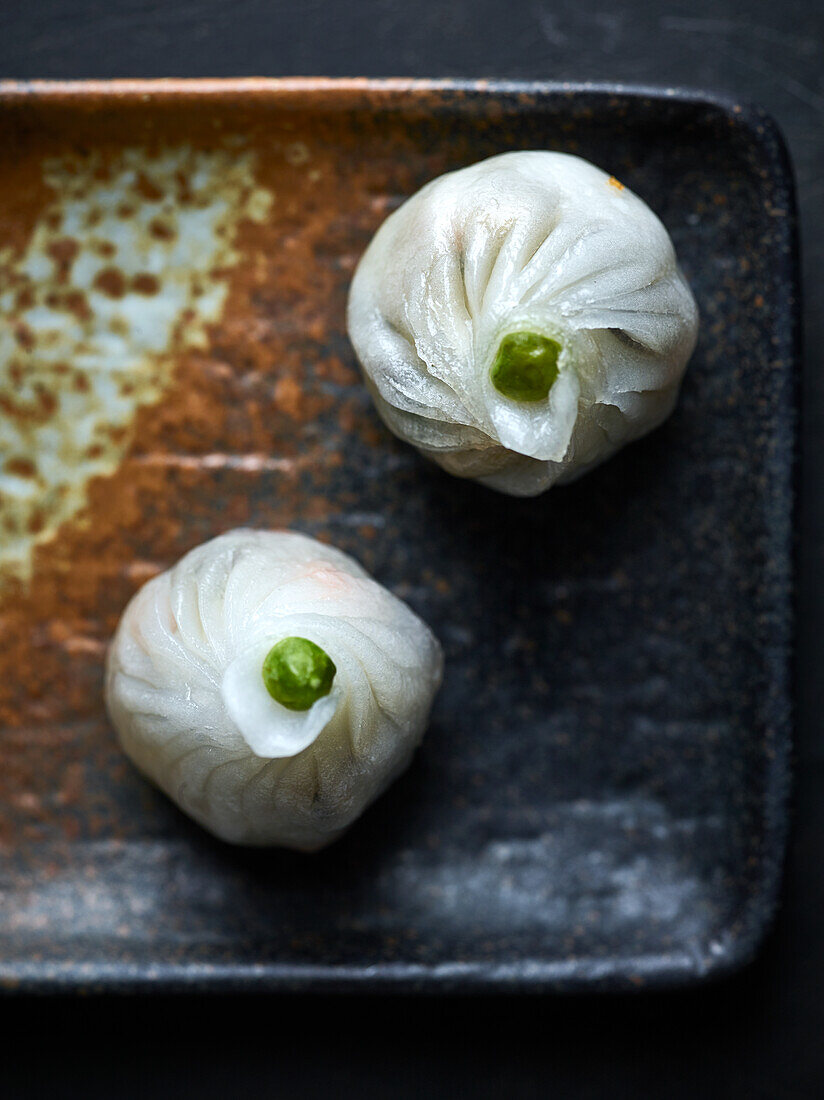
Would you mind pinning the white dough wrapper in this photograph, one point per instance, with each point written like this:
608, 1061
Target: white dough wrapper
185, 690
536, 242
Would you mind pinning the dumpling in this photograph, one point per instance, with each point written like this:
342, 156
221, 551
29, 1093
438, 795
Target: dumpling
270, 687
520, 320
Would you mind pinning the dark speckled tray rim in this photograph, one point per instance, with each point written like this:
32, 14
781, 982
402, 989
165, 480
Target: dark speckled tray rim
519, 975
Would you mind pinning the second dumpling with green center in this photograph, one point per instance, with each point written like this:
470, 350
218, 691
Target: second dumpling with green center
520, 320
270, 687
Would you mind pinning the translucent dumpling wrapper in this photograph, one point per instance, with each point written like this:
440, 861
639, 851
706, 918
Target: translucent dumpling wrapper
270, 687
520, 320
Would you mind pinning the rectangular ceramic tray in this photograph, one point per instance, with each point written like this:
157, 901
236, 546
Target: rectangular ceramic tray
600, 801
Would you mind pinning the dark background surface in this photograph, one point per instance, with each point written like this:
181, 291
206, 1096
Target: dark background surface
760, 1034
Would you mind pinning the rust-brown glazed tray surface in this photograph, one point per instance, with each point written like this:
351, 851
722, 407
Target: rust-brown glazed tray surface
600, 800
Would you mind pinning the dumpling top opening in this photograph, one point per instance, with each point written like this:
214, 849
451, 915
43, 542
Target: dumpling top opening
281, 697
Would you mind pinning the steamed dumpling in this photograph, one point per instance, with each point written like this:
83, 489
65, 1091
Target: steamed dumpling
270, 687
520, 320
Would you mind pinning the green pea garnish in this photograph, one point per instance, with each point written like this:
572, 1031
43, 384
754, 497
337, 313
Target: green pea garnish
526, 366
297, 673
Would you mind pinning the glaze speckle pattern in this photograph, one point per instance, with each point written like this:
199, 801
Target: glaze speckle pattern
600, 801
